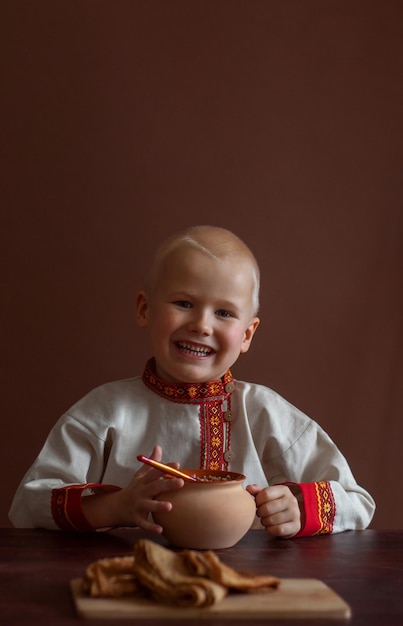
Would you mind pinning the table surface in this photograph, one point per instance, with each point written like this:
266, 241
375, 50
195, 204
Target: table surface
364, 567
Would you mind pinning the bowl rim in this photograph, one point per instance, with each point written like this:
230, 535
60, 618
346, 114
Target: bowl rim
236, 477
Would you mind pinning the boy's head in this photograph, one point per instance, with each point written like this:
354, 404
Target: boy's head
200, 303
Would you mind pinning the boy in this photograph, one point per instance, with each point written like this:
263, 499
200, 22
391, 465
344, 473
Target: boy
199, 307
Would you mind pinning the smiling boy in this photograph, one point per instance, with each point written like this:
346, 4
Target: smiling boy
199, 307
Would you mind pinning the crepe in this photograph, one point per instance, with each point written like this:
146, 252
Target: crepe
111, 577
208, 564
187, 578
170, 578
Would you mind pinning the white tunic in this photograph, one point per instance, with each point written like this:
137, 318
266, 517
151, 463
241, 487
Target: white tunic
243, 427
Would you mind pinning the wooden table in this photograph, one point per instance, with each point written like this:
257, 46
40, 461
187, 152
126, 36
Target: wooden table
364, 567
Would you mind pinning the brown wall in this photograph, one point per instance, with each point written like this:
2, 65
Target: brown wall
124, 121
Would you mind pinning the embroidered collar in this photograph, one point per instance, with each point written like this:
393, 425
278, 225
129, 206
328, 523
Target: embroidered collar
188, 392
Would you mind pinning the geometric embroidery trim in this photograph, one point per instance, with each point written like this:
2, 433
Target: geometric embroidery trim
215, 434
189, 393
326, 507
215, 431
65, 500
66, 506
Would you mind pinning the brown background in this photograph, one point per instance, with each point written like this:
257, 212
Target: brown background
123, 121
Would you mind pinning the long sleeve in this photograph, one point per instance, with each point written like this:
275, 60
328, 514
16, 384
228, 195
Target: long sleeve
93, 447
254, 431
295, 449
332, 499
70, 463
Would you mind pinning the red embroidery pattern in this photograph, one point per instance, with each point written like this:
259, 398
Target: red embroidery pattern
66, 508
214, 429
66, 505
185, 392
215, 435
326, 507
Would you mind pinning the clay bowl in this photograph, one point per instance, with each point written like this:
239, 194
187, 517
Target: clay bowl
210, 514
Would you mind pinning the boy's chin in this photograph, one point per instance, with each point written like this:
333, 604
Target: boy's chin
188, 375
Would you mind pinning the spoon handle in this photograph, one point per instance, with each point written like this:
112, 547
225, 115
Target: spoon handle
165, 468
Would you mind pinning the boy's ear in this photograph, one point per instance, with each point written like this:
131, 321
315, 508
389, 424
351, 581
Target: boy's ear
249, 332
142, 309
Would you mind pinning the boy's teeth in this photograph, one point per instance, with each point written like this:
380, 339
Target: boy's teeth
199, 349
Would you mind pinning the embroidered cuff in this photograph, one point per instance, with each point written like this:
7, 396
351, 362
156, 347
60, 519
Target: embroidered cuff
67, 508
319, 508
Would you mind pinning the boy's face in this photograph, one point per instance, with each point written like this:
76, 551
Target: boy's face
198, 314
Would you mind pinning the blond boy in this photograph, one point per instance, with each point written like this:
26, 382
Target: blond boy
199, 306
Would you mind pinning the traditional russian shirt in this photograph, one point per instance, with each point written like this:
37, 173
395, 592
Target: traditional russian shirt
223, 424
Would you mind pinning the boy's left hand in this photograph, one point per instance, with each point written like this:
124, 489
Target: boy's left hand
278, 509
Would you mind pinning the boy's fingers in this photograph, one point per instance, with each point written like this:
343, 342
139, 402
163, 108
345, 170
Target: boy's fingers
156, 454
254, 489
164, 484
286, 530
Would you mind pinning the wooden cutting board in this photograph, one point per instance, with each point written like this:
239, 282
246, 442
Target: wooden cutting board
294, 598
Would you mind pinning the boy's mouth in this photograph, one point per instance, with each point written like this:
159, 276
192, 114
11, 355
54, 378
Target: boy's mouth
193, 350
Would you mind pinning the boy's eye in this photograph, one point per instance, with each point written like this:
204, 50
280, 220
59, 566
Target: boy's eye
223, 313
184, 304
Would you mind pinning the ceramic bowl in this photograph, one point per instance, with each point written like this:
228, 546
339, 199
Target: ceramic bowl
207, 515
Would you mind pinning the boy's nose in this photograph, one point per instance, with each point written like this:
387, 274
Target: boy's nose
201, 323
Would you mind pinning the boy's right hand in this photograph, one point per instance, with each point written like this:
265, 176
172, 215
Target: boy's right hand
138, 497
131, 506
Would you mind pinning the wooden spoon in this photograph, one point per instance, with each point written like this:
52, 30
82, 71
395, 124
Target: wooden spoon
166, 468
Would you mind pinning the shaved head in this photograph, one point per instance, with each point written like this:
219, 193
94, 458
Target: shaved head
214, 241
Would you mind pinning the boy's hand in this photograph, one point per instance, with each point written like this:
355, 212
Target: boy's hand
278, 509
131, 505
138, 496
